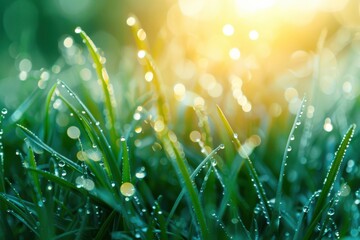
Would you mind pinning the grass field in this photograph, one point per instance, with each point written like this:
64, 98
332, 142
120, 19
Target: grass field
192, 137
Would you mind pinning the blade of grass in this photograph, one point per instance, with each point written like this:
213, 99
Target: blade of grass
35, 139
105, 83
174, 153
97, 136
275, 219
126, 175
150, 67
21, 215
101, 234
192, 177
329, 180
47, 113
250, 166
33, 175
19, 112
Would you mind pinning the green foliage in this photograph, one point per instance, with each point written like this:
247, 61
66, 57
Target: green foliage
100, 185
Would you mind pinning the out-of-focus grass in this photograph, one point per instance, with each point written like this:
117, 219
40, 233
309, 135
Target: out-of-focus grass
148, 166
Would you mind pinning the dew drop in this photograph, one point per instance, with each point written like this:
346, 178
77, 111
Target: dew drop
222, 146
61, 163
357, 193
331, 212
305, 209
78, 30
292, 138
127, 189
4, 111
289, 149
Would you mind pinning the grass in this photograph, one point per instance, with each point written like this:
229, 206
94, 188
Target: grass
131, 172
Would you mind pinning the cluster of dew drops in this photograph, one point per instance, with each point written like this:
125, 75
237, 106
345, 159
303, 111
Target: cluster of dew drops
4, 111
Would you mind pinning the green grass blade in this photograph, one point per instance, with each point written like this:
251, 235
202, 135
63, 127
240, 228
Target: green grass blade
47, 113
126, 175
101, 234
329, 180
161, 221
104, 78
33, 175
19, 112
258, 186
276, 210
96, 134
21, 215
35, 139
175, 154
192, 177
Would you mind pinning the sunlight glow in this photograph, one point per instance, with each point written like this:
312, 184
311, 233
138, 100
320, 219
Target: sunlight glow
234, 53
228, 30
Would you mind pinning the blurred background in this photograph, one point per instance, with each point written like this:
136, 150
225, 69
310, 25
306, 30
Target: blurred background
256, 59
264, 53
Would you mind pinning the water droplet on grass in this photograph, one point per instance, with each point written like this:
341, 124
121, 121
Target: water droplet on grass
61, 163
305, 209
331, 212
4, 111
78, 30
127, 189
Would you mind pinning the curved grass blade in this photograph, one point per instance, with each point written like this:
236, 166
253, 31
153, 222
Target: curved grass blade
21, 215
150, 67
35, 139
329, 180
104, 78
96, 136
258, 186
276, 210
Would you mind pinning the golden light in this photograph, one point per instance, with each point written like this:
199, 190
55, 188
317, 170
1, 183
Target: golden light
246, 6
228, 30
254, 35
131, 21
234, 53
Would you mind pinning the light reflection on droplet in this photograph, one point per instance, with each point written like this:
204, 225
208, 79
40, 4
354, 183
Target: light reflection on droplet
127, 189
73, 132
141, 54
68, 42
234, 53
195, 136
179, 91
310, 111
254, 35
328, 127
149, 76
228, 30
130, 21
25, 65
159, 125
141, 34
